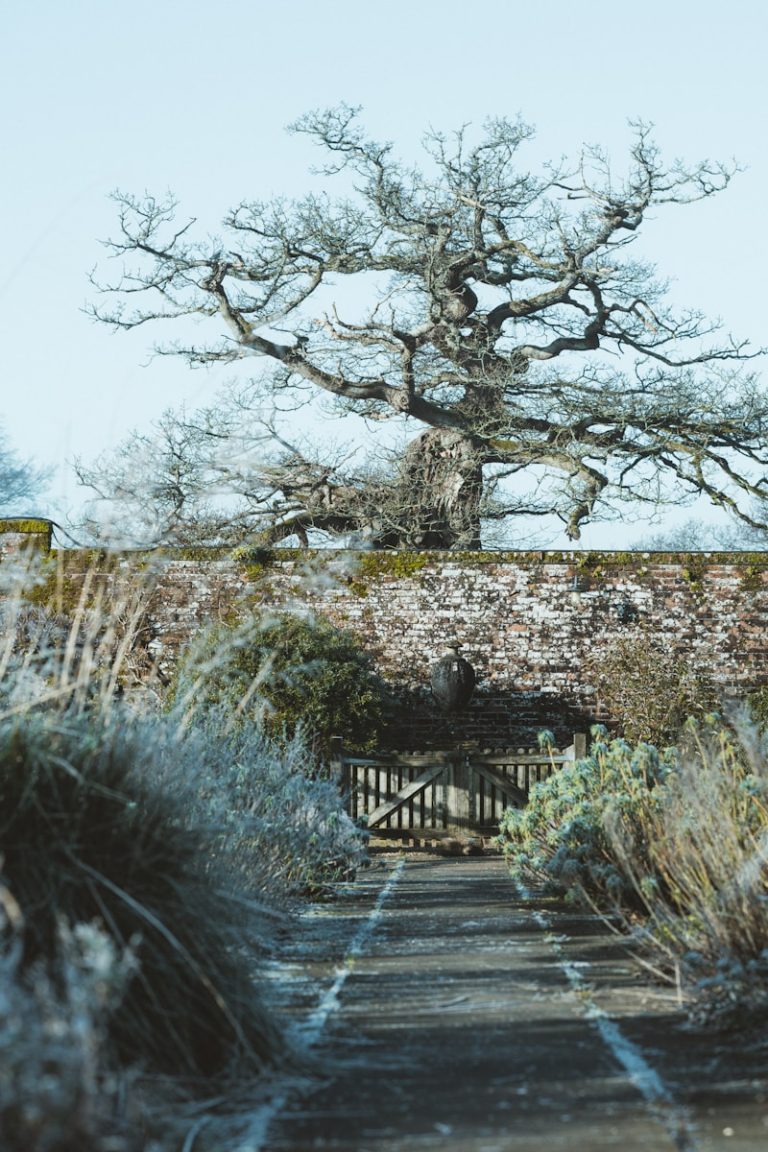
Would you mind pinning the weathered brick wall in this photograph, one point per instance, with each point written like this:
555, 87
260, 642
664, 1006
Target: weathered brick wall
528, 621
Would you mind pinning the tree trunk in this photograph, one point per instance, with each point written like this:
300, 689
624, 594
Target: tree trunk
442, 485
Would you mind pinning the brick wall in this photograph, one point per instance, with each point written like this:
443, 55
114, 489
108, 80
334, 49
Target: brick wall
528, 621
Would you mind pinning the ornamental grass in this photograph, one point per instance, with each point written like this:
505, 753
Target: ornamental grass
87, 836
129, 947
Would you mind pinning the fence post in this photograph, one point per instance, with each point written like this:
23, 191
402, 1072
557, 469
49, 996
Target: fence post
336, 764
578, 749
457, 793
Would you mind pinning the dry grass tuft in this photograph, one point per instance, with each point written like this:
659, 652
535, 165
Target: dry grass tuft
698, 863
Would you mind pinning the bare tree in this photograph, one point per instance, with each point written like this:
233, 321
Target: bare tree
20, 480
697, 535
503, 319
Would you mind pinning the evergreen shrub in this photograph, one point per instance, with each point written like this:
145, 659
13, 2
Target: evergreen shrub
286, 673
559, 840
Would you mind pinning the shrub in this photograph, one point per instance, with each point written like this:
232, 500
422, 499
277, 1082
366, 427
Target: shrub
559, 839
649, 692
284, 673
676, 844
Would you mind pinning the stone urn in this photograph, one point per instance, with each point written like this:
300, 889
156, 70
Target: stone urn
453, 680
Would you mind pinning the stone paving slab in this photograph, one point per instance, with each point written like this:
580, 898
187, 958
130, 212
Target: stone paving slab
444, 1010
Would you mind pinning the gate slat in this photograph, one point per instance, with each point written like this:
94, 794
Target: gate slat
389, 807
502, 782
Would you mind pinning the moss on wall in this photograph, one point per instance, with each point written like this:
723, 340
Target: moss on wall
752, 574
62, 572
257, 563
40, 531
371, 567
65, 580
525, 633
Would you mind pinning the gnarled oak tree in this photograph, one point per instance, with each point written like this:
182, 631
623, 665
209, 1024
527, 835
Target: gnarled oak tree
501, 316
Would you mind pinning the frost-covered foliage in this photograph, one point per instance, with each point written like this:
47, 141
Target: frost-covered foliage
559, 839
699, 864
281, 827
60, 1088
149, 854
287, 673
132, 841
676, 843
90, 830
276, 827
114, 853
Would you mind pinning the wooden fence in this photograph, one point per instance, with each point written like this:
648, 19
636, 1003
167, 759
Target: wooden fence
459, 790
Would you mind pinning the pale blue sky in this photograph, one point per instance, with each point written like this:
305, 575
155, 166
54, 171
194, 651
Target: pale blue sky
194, 97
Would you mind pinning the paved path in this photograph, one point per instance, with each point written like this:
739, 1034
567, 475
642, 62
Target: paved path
444, 1010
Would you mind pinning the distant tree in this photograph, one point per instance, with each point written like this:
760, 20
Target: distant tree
537, 368
695, 535
691, 536
20, 481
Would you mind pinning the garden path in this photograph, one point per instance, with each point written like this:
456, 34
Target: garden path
444, 1009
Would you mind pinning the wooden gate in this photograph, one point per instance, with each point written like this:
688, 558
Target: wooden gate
465, 790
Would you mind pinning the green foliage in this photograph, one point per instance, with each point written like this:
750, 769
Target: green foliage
694, 570
757, 706
752, 574
559, 839
648, 691
287, 672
